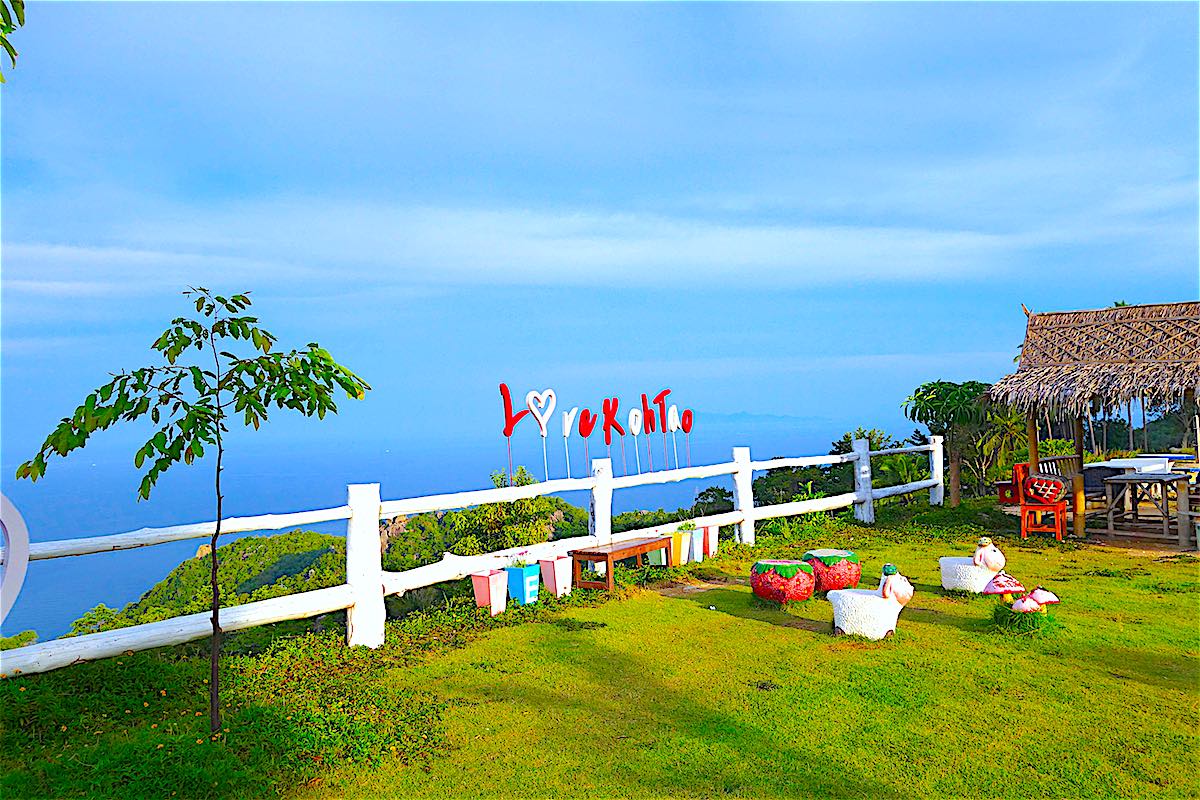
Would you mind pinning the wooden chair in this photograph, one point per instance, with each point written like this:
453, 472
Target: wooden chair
1042, 494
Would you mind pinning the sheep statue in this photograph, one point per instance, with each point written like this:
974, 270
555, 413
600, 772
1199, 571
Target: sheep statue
972, 574
871, 613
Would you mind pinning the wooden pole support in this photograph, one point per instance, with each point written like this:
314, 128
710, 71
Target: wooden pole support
1031, 431
600, 507
1183, 513
1080, 502
743, 493
864, 506
364, 568
937, 494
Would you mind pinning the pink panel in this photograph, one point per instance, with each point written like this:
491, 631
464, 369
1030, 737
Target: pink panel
491, 590
556, 574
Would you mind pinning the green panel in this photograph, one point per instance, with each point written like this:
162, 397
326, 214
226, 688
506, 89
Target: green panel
784, 569
829, 557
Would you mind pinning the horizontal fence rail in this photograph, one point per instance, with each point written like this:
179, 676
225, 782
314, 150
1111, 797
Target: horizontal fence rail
145, 537
805, 461
367, 583
917, 448
46, 656
505, 494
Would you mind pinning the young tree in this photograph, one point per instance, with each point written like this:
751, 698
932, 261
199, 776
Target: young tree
948, 409
192, 403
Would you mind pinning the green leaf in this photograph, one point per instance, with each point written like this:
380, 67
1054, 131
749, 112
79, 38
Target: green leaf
198, 381
12, 53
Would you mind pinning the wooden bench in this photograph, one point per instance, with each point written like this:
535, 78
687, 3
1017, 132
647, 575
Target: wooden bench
610, 553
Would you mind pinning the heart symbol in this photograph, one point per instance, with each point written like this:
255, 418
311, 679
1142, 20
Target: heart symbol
541, 406
587, 423
685, 421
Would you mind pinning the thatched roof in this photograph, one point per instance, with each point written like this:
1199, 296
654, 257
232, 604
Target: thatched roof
1112, 354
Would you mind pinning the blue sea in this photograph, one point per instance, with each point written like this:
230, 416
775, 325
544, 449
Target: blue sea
93, 493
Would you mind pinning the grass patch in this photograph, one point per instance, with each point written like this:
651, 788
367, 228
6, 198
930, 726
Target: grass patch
1005, 620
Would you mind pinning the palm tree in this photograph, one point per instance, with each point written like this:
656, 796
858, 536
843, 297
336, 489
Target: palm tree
1006, 434
947, 409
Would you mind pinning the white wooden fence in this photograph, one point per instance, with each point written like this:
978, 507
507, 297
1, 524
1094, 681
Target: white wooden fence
367, 583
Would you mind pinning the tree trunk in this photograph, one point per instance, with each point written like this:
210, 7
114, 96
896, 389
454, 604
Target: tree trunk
1104, 432
1129, 419
955, 475
214, 692
1145, 428
1092, 431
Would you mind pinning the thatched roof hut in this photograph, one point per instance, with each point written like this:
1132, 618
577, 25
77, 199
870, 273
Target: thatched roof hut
1114, 355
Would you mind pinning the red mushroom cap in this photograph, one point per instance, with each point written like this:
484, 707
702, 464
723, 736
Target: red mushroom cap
1026, 605
1044, 597
1003, 583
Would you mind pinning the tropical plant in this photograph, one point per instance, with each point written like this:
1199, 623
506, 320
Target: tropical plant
12, 16
1005, 433
713, 500
897, 469
519, 523
192, 403
879, 440
949, 409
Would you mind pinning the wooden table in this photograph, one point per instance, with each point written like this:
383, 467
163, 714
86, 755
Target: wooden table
609, 553
1156, 487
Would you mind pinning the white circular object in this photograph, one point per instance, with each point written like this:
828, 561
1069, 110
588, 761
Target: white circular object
635, 421
16, 555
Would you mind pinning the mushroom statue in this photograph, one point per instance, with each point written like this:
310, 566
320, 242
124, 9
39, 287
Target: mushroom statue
871, 613
1004, 584
1035, 601
972, 574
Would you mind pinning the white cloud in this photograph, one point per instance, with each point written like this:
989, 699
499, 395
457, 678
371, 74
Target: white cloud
302, 242
314, 245
776, 367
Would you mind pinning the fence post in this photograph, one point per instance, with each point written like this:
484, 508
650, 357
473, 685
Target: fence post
864, 506
600, 507
743, 494
937, 494
364, 567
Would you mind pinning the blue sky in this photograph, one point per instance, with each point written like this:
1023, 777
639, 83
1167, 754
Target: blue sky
792, 210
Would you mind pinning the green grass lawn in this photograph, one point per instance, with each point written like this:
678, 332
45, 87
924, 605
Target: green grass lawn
698, 693
665, 696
